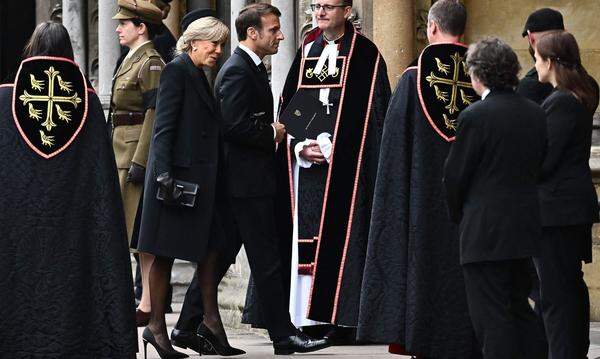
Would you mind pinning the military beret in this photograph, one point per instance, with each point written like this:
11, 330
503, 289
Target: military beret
195, 15
138, 9
543, 20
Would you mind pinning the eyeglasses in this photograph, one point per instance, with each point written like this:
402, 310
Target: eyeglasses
327, 8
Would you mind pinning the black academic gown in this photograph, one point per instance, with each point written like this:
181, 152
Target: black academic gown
65, 267
413, 291
335, 301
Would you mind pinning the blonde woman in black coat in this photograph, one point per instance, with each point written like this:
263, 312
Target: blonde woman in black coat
568, 201
186, 146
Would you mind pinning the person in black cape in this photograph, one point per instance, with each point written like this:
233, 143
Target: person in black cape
413, 293
491, 177
64, 261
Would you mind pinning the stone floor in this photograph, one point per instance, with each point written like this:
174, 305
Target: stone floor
257, 345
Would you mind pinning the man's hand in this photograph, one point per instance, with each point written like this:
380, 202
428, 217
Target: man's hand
136, 174
279, 131
312, 153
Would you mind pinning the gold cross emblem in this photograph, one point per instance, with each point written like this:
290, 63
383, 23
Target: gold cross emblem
457, 86
52, 101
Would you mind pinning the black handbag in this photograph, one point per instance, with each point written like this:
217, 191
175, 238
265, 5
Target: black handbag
184, 194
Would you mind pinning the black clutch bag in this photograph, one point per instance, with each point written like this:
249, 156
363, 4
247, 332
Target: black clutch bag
184, 194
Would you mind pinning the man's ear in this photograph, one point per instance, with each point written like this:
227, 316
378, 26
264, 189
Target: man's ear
531, 38
347, 12
252, 33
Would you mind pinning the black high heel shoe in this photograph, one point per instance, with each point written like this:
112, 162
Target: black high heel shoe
148, 337
212, 343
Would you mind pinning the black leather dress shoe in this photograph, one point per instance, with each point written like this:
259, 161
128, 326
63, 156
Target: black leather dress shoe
298, 343
185, 339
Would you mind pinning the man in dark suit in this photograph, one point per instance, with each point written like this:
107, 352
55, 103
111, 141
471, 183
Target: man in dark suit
243, 92
538, 23
491, 178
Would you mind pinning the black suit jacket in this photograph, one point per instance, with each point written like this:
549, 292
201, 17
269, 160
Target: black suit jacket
491, 178
246, 102
186, 142
567, 193
530, 87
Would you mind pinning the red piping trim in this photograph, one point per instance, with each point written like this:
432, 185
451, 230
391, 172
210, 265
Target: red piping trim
448, 139
15, 113
7, 85
352, 204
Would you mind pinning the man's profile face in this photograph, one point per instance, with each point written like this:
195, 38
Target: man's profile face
270, 35
331, 14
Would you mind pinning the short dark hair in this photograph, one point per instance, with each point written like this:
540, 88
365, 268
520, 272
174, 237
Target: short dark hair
449, 15
494, 63
153, 29
251, 15
49, 39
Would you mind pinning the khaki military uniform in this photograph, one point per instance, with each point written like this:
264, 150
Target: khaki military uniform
132, 113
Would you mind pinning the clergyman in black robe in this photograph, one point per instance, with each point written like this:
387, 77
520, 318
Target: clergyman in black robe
65, 269
325, 247
413, 293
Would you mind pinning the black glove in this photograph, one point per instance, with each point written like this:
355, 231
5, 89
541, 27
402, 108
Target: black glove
167, 185
136, 174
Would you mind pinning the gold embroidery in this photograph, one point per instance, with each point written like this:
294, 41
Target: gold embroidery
457, 85
46, 140
324, 73
443, 68
52, 101
450, 124
36, 84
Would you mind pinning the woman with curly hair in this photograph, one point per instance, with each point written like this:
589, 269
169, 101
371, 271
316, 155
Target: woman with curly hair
491, 177
569, 205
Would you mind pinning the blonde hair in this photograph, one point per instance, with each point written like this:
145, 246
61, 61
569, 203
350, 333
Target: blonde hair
207, 28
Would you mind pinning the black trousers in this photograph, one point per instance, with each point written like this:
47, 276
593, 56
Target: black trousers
565, 300
504, 323
255, 221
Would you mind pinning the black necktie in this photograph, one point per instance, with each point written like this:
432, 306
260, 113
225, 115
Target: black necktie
263, 71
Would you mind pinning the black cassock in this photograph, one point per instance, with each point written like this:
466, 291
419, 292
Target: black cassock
413, 291
65, 269
338, 217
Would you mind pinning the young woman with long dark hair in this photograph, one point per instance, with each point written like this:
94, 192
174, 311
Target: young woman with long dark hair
568, 201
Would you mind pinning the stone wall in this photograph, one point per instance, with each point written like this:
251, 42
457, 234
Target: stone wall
506, 19
592, 270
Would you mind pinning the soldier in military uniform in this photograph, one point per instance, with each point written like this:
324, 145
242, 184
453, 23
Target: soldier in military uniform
132, 114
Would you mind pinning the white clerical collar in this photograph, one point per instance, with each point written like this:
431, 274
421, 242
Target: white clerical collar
133, 51
485, 93
252, 54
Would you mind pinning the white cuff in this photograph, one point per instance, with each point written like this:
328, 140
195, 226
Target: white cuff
274, 131
301, 161
324, 142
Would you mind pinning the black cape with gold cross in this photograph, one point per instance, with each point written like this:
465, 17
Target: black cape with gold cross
64, 264
413, 292
345, 206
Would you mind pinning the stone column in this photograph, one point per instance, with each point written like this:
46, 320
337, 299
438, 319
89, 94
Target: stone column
108, 48
236, 6
394, 34
281, 62
73, 18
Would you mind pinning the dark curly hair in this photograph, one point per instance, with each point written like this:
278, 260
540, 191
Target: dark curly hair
494, 63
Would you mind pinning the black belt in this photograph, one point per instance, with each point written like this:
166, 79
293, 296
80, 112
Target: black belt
127, 119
